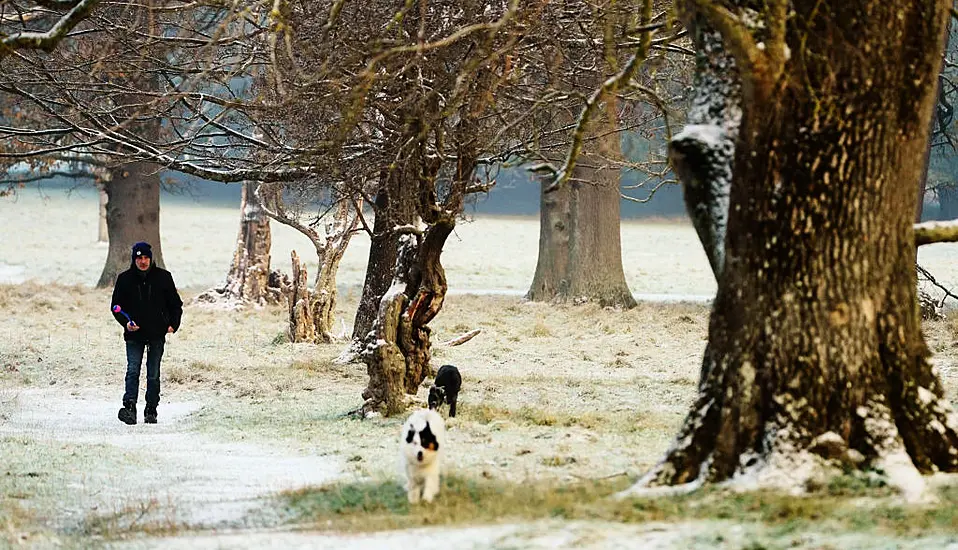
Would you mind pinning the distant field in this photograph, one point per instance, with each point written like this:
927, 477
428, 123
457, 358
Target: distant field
51, 236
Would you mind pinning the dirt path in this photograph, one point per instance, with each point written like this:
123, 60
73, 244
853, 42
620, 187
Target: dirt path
167, 471
526, 536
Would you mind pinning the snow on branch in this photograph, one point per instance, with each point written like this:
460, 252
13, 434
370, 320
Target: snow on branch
49, 39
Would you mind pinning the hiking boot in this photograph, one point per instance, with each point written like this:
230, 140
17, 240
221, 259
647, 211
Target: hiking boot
127, 414
149, 415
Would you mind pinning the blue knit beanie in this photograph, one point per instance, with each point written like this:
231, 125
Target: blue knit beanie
142, 249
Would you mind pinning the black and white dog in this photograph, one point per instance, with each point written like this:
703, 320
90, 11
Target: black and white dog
445, 389
421, 444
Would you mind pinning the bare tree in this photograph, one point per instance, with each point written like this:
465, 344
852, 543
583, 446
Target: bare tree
339, 224
603, 80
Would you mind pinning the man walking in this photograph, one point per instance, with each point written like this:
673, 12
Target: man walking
149, 309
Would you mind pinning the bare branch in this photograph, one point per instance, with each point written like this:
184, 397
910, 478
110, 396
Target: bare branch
49, 39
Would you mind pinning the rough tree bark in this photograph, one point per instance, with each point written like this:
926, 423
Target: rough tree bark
397, 350
580, 242
383, 354
392, 208
701, 154
133, 214
815, 354
301, 327
580, 248
249, 279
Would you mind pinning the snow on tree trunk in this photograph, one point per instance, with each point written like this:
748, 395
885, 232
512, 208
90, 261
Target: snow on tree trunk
383, 353
701, 154
815, 355
103, 233
133, 214
397, 350
393, 208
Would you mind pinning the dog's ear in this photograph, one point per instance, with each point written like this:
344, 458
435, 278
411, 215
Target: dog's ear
410, 435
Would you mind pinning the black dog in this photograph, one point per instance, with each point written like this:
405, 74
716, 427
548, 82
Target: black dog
445, 389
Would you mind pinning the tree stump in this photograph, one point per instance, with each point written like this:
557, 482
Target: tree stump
301, 327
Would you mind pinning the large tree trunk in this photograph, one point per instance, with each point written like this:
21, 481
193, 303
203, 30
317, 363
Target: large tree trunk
940, 120
815, 353
701, 154
249, 279
133, 214
580, 247
580, 243
393, 208
397, 351
384, 354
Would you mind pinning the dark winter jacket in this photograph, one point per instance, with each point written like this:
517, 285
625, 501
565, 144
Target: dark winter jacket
151, 301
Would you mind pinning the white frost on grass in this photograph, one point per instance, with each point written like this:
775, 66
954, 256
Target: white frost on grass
904, 476
546, 534
785, 467
893, 459
200, 480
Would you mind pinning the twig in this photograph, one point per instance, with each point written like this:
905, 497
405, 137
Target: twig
924, 273
610, 476
462, 339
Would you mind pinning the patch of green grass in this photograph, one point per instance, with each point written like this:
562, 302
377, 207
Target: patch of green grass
611, 421
837, 508
378, 505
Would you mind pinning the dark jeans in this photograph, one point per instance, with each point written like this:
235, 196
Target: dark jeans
134, 357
